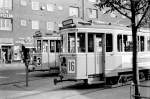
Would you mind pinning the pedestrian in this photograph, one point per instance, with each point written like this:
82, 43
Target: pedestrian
4, 56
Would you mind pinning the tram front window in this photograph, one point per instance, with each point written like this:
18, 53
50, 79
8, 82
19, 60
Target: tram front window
45, 45
81, 42
58, 46
71, 42
52, 46
90, 42
39, 45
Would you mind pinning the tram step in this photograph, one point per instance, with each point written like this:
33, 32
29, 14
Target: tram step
96, 82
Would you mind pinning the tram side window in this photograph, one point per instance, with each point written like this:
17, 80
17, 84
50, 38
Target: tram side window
58, 46
127, 41
90, 43
141, 43
148, 43
39, 45
52, 46
81, 42
109, 43
119, 43
71, 42
45, 45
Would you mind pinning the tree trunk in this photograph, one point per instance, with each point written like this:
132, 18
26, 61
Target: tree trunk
134, 58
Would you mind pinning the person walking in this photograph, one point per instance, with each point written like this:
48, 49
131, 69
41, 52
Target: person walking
4, 56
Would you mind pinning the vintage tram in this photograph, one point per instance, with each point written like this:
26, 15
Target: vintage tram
101, 53
45, 58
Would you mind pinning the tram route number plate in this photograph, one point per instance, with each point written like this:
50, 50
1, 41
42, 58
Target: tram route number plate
71, 66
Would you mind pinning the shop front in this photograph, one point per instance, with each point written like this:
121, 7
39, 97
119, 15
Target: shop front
6, 50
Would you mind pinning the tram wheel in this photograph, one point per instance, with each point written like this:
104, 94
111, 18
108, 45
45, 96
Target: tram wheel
142, 76
85, 81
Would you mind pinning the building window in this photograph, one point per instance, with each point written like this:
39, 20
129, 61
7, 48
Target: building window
74, 11
35, 5
23, 2
35, 24
23, 23
94, 1
6, 24
92, 13
6, 4
50, 26
50, 7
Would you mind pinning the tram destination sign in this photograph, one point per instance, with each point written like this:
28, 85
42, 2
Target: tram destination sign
67, 22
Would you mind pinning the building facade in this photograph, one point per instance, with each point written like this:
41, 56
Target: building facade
20, 19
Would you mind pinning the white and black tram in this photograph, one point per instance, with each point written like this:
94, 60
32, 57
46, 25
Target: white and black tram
101, 53
45, 58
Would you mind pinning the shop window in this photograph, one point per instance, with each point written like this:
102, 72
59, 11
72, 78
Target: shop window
74, 11
119, 43
127, 41
6, 24
71, 42
90, 43
81, 42
109, 43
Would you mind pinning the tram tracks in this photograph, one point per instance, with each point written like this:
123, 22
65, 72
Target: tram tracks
20, 81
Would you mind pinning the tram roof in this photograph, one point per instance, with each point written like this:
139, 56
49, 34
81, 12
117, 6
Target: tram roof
79, 25
50, 37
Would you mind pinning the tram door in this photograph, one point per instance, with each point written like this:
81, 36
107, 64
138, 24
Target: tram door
45, 54
99, 53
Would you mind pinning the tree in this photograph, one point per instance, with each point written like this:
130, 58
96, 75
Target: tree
137, 11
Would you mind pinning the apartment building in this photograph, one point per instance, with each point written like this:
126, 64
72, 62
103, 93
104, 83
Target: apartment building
20, 19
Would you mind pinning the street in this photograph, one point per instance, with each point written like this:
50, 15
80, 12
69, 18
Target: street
12, 86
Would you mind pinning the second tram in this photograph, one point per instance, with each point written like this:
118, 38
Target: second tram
101, 53
45, 58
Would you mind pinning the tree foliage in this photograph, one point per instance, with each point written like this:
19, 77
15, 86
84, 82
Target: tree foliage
142, 8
